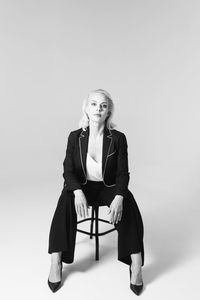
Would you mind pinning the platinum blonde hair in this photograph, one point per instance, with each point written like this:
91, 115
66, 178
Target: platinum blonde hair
84, 121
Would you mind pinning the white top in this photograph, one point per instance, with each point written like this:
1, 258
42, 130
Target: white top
93, 169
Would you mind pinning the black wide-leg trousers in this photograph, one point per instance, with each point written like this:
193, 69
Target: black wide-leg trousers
62, 235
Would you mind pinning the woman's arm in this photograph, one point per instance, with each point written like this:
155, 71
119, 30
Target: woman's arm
122, 180
71, 182
122, 177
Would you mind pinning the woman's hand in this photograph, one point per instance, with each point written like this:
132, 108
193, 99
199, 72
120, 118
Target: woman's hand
116, 209
80, 202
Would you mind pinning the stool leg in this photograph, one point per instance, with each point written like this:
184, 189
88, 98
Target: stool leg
92, 222
97, 232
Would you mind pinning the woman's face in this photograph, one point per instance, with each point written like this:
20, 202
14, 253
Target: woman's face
97, 108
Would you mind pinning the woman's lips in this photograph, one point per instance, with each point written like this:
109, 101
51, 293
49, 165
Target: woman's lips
97, 115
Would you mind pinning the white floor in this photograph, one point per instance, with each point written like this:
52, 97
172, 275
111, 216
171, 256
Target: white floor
172, 263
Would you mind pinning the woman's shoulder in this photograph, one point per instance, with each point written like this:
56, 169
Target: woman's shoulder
76, 131
73, 134
114, 132
117, 133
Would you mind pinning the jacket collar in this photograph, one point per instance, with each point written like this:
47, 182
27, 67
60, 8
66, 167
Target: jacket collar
86, 132
83, 145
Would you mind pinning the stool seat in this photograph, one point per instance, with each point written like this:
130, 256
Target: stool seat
95, 218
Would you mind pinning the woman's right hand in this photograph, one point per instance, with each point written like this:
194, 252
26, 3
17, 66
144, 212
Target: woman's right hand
80, 203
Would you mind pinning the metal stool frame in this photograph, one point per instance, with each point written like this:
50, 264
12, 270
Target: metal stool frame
95, 217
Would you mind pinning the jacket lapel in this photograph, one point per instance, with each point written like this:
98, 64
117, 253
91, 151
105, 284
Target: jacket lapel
83, 147
107, 141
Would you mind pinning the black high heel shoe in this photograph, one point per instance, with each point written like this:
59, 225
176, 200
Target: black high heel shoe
137, 289
54, 286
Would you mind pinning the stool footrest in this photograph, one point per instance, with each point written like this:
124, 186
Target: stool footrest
95, 219
89, 219
94, 234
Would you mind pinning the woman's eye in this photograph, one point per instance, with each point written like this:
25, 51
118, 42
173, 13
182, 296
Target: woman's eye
102, 106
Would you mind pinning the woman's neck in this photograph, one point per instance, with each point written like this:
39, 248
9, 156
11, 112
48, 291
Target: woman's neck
96, 129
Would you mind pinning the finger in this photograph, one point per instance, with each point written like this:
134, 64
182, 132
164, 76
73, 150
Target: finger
82, 211
85, 210
119, 215
110, 212
78, 210
76, 207
115, 216
112, 216
118, 218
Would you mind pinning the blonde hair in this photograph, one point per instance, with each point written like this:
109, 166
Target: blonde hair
84, 121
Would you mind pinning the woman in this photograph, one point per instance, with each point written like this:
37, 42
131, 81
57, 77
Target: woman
96, 167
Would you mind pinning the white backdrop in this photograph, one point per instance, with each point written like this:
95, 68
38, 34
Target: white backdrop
146, 54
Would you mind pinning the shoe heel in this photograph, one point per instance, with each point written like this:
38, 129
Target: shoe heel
137, 289
54, 286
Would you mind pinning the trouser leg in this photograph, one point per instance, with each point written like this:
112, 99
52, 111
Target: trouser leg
62, 235
130, 228
130, 231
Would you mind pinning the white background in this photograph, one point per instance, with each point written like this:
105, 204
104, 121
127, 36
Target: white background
146, 54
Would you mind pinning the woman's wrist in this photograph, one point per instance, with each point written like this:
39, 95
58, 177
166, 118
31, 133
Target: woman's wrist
119, 197
77, 192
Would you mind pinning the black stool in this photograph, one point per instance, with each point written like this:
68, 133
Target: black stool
95, 217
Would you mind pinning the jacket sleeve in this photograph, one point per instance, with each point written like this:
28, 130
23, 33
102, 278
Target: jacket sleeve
71, 182
122, 176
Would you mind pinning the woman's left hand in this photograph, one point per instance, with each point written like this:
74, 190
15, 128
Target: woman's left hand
116, 209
